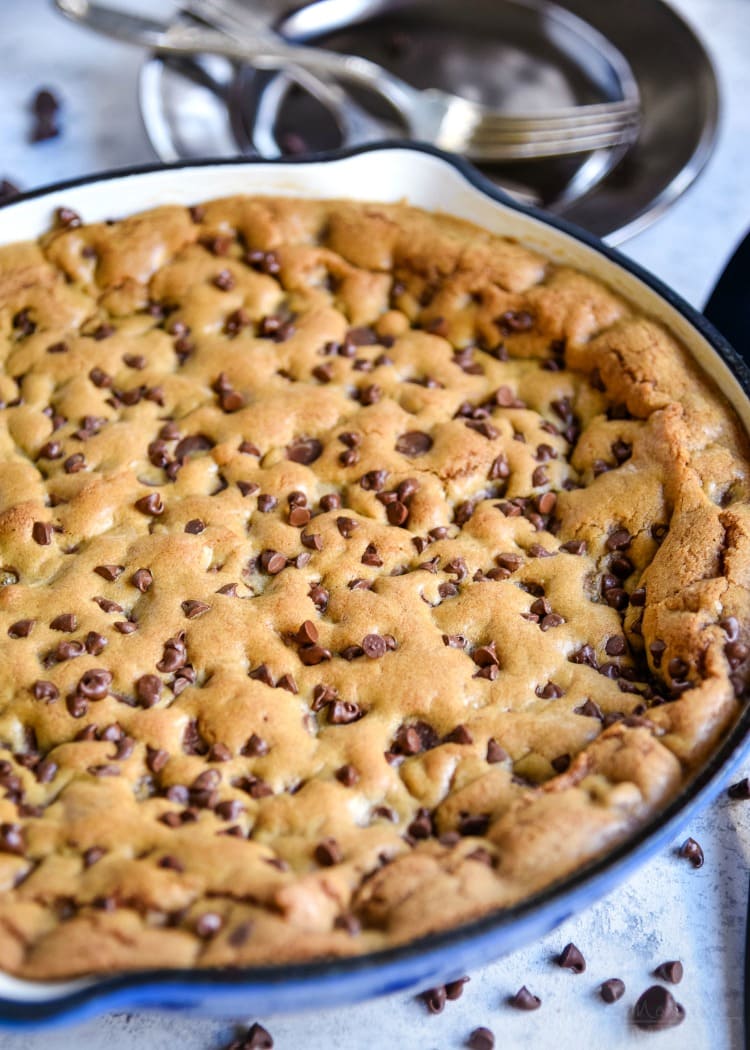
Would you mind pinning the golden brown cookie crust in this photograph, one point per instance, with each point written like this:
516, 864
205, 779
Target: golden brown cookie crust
362, 572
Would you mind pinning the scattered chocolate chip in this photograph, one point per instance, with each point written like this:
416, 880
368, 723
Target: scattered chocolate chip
41, 533
347, 775
657, 1009
256, 1038
481, 1039
670, 971
691, 851
570, 958
739, 791
524, 1000
94, 684
612, 990
142, 579
8, 191
194, 608
434, 999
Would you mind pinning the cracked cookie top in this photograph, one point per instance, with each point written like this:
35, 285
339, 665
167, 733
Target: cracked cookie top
362, 572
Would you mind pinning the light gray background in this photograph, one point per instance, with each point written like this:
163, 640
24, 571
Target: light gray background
667, 910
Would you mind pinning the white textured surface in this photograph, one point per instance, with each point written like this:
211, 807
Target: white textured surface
667, 910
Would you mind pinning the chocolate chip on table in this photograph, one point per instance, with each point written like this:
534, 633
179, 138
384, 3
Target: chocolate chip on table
8, 191
691, 851
455, 989
671, 971
612, 989
434, 999
45, 108
571, 958
740, 791
657, 1009
524, 1000
481, 1039
256, 1038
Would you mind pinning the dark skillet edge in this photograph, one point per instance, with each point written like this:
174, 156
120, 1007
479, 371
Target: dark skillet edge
394, 968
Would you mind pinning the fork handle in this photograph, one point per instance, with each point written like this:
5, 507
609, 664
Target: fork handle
186, 40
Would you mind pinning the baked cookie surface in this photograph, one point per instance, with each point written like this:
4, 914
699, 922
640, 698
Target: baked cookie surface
362, 572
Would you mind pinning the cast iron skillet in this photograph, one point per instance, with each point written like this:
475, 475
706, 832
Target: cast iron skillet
442, 956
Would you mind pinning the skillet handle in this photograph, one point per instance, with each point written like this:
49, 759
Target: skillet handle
728, 306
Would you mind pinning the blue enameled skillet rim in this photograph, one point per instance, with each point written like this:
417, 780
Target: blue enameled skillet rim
377, 973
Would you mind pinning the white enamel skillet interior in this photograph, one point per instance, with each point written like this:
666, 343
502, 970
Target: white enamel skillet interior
417, 175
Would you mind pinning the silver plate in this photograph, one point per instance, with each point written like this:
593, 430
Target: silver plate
208, 107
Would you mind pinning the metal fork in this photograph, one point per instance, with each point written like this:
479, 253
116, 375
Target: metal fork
239, 21
447, 120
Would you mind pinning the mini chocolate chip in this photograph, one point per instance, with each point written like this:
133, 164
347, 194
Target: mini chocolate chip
41, 533
481, 1039
208, 925
741, 790
346, 526
151, 504
46, 691
156, 759
495, 753
256, 1038
304, 450
414, 443
347, 775
77, 705
691, 851
45, 771
374, 646
64, 622
272, 562
525, 1000
94, 684
21, 628
342, 712
148, 689
670, 971
657, 1009
612, 990
328, 852
434, 999
570, 958
11, 839
109, 572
